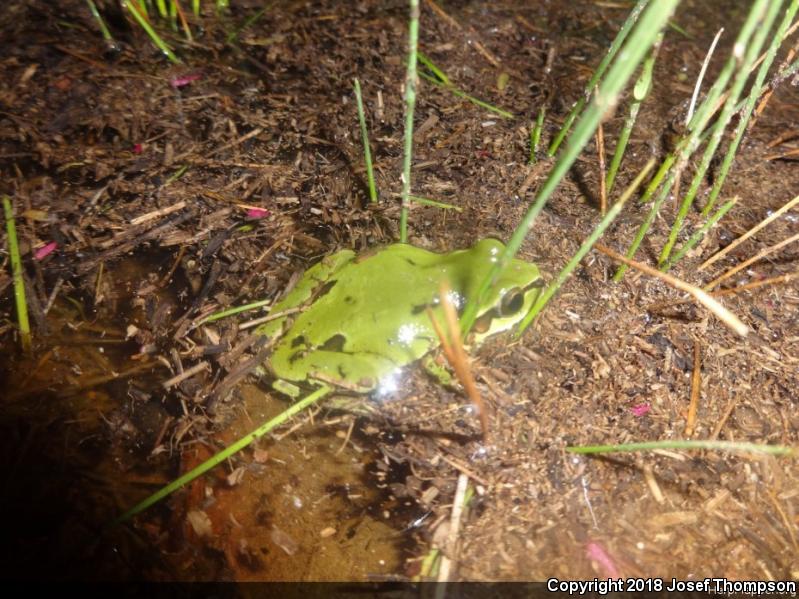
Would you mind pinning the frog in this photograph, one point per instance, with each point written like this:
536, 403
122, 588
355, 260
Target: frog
355, 321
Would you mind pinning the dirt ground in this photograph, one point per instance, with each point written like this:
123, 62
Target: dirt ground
175, 191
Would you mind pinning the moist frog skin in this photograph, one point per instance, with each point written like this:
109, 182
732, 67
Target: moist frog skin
354, 320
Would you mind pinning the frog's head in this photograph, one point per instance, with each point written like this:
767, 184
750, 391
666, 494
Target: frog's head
510, 299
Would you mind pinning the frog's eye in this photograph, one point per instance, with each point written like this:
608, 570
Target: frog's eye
511, 302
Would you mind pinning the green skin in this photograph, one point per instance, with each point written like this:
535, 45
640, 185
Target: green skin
367, 317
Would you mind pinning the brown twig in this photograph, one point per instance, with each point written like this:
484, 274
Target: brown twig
755, 284
186, 374
456, 355
158, 213
696, 389
701, 296
454, 531
759, 256
724, 417
731, 291
783, 155
749, 233
600, 149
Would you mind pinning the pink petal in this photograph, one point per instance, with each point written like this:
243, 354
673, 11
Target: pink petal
256, 213
45, 250
596, 553
185, 80
138, 148
641, 409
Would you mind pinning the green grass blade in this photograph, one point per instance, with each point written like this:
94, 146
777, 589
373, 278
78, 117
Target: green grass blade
410, 102
195, 7
756, 28
665, 168
621, 146
535, 135
173, 15
224, 454
150, 31
680, 30
477, 102
100, 21
161, 4
16, 273
699, 444
440, 78
644, 228
699, 234
640, 92
367, 152
609, 217
632, 18
751, 100
231, 311
639, 41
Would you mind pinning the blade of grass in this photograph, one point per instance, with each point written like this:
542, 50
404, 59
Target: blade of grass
632, 18
150, 31
161, 5
535, 135
173, 15
640, 92
16, 273
224, 454
477, 102
640, 40
367, 153
678, 444
231, 311
699, 234
442, 77
680, 30
600, 149
556, 284
100, 21
410, 102
751, 100
756, 28
195, 7
442, 80
665, 168
679, 158
452, 347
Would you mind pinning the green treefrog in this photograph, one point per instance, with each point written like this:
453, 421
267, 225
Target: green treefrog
354, 322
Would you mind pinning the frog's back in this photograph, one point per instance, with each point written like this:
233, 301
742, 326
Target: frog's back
371, 320
372, 316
